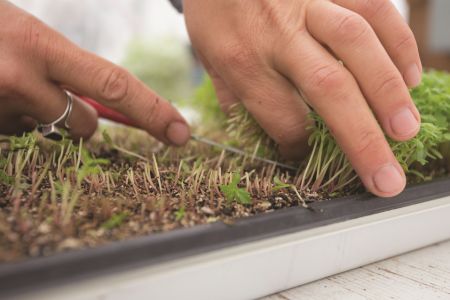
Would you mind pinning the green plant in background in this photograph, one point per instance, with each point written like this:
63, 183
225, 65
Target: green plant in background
205, 103
164, 65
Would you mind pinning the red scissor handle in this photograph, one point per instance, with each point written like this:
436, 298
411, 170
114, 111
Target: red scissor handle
108, 113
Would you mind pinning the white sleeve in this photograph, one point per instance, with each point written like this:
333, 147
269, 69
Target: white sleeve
403, 8
178, 4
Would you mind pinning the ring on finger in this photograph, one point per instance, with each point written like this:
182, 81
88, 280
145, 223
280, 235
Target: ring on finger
50, 130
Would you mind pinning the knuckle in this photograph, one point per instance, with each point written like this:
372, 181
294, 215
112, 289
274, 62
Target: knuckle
240, 58
405, 42
371, 8
388, 83
365, 142
114, 84
351, 28
327, 78
273, 14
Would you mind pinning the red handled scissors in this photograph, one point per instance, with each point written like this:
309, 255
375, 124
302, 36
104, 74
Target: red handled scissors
110, 114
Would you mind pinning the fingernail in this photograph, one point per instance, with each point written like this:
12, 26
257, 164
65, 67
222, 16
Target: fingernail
404, 123
178, 133
389, 180
412, 76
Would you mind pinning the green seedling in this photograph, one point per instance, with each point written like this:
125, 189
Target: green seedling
90, 166
115, 221
180, 213
279, 185
232, 192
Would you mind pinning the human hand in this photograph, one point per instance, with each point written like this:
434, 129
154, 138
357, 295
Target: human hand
36, 63
278, 57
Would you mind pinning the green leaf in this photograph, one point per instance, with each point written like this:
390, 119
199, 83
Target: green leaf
243, 197
115, 221
279, 185
179, 214
233, 193
236, 179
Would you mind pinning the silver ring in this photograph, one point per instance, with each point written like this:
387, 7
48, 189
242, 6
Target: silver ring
50, 130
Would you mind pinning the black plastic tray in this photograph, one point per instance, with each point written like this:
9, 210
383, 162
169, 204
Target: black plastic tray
45, 272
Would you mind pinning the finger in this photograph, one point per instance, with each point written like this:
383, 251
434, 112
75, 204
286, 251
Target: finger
352, 39
271, 99
334, 94
393, 32
116, 88
16, 125
108, 113
225, 96
48, 102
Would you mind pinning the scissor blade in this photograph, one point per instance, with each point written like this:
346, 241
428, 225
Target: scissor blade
240, 152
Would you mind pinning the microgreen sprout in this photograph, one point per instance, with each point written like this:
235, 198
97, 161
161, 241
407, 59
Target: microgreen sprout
115, 221
180, 213
232, 192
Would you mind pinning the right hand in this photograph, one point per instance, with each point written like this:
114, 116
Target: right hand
269, 54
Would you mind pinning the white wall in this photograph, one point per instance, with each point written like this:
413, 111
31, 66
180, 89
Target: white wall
106, 26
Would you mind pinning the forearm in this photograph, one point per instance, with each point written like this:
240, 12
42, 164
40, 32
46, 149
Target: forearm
178, 4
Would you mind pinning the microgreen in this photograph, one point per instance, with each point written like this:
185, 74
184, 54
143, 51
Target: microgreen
279, 185
115, 221
232, 192
180, 213
327, 168
90, 166
26, 141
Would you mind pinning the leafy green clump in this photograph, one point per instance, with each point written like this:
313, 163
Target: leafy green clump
327, 168
232, 192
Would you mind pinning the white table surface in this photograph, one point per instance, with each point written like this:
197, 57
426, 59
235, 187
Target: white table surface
422, 274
